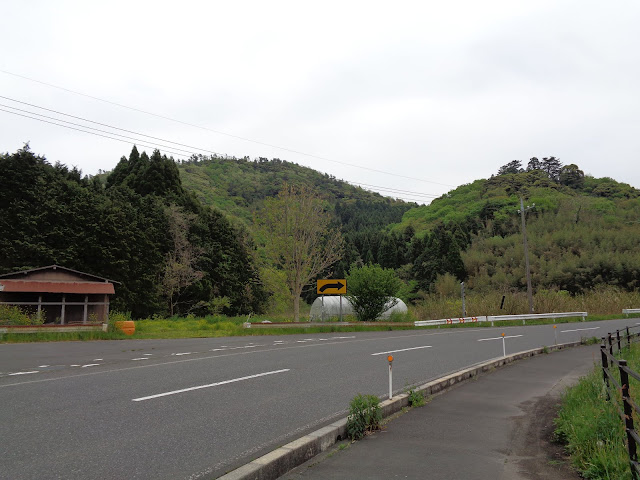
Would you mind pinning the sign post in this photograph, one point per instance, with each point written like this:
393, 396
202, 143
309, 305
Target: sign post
390, 358
331, 287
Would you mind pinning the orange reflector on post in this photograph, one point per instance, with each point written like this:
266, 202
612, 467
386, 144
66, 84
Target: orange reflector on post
503, 334
390, 358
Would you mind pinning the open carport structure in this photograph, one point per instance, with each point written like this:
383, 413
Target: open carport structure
61, 295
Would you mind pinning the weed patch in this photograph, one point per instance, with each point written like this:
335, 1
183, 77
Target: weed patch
364, 416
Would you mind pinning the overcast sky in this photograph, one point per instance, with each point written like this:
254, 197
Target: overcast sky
411, 96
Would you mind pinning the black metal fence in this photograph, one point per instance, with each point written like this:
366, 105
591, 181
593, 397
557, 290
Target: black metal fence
618, 390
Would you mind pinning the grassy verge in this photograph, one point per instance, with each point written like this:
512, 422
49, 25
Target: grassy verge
221, 326
590, 427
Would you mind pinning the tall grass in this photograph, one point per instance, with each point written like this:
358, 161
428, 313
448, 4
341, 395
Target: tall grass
600, 301
591, 427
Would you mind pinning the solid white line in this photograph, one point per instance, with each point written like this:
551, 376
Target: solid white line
579, 329
498, 338
210, 385
24, 373
403, 350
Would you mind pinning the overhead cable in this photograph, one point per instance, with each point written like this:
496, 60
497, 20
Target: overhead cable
221, 132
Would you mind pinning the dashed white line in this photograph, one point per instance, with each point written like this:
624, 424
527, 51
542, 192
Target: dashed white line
74, 365
402, 350
141, 358
24, 373
579, 329
148, 354
174, 392
183, 353
97, 359
217, 349
90, 365
43, 366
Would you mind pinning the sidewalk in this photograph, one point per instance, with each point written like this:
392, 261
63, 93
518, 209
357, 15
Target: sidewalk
491, 428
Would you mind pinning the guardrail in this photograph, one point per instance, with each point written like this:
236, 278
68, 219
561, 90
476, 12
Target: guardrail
628, 311
499, 318
621, 393
535, 316
450, 321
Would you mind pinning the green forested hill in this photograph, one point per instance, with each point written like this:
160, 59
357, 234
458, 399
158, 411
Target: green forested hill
238, 187
583, 231
180, 237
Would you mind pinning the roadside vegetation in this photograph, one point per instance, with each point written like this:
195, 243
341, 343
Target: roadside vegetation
591, 428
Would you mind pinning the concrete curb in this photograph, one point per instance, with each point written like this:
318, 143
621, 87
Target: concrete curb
279, 461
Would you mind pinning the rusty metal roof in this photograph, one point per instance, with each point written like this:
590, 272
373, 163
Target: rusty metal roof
20, 273
11, 285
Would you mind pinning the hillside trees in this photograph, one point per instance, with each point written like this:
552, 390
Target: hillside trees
299, 238
51, 215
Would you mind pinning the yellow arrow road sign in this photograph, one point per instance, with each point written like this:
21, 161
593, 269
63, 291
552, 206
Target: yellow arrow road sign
332, 287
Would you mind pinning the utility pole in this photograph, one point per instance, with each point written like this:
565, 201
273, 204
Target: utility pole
526, 252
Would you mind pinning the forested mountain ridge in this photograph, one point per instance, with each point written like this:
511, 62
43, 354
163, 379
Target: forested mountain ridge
182, 236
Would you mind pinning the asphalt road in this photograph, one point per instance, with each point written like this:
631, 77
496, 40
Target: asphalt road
197, 408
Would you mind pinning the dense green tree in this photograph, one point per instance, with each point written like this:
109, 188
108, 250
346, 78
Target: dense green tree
572, 176
514, 166
372, 290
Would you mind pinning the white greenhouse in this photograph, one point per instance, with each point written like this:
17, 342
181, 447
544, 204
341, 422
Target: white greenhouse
328, 307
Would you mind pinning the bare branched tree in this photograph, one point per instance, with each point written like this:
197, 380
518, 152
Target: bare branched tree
180, 263
299, 240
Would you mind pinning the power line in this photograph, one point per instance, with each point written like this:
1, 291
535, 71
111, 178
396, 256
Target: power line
103, 124
91, 133
164, 147
220, 132
108, 135
429, 195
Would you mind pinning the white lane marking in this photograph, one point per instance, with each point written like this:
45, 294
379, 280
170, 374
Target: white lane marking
335, 338
301, 341
499, 338
43, 366
174, 392
455, 331
141, 358
403, 350
323, 339
148, 354
90, 365
74, 365
579, 329
183, 353
309, 339
97, 359
24, 373
217, 349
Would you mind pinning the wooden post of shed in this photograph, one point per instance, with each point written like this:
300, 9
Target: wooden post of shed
86, 308
62, 309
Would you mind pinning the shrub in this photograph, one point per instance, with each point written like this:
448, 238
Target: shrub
364, 416
416, 398
12, 315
